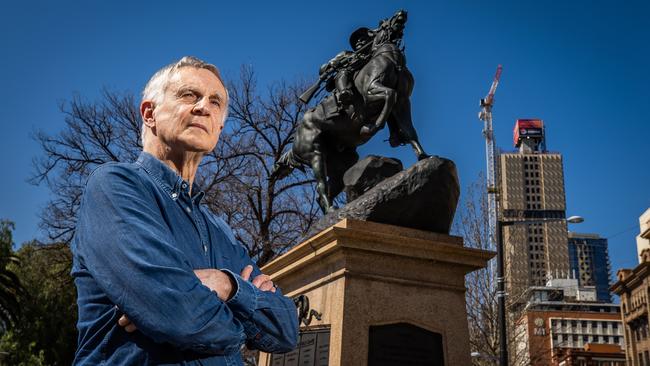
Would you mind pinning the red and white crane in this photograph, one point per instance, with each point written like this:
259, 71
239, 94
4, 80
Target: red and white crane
485, 115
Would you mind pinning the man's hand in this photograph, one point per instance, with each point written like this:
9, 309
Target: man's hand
262, 282
217, 281
125, 323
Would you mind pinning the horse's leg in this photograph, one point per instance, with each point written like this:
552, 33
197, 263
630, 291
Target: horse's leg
344, 161
419, 151
377, 92
400, 120
320, 174
336, 185
308, 150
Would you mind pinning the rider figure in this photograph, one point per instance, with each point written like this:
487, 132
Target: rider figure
346, 63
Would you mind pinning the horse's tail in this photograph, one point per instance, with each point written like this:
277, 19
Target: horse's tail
285, 165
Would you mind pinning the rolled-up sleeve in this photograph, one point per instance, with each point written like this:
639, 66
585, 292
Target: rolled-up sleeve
124, 242
270, 319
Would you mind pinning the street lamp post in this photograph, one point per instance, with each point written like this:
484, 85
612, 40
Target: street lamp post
501, 290
501, 298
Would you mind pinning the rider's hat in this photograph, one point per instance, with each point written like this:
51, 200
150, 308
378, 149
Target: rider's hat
358, 34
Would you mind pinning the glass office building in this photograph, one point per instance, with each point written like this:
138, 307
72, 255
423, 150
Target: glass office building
589, 263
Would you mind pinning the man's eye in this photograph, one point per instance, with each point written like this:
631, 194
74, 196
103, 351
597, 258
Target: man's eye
188, 95
216, 102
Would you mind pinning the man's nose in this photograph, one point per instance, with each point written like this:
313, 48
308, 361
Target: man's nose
201, 107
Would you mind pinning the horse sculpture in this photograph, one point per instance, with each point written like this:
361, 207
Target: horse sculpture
327, 137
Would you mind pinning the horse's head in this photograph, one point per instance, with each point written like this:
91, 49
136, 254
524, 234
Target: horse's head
391, 29
398, 20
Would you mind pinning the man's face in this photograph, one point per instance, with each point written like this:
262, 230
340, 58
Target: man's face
190, 117
360, 43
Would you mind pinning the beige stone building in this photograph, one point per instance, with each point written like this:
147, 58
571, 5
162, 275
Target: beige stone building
633, 287
531, 183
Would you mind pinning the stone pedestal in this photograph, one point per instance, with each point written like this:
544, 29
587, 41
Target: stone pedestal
393, 282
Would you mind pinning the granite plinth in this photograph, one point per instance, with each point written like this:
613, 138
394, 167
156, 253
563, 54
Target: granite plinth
362, 274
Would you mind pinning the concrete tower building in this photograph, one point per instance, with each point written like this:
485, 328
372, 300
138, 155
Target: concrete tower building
531, 184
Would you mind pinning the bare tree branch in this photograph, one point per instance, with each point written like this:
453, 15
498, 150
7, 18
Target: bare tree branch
481, 294
267, 216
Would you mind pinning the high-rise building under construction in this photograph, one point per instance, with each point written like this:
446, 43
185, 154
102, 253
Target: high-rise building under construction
531, 185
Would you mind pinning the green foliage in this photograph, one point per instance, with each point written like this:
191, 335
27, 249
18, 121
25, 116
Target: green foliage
45, 332
10, 287
13, 355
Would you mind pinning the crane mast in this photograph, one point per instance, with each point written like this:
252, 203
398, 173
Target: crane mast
485, 115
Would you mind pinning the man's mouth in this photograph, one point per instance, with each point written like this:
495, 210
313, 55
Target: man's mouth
198, 125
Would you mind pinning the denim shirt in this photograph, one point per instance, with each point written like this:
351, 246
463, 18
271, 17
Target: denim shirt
138, 239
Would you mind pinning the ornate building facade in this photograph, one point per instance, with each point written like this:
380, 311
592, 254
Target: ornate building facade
633, 287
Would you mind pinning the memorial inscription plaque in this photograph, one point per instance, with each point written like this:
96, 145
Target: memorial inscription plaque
404, 344
313, 350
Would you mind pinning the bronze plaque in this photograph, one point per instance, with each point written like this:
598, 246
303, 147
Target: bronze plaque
307, 348
405, 345
313, 350
323, 348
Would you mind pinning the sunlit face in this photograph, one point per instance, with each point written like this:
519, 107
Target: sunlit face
190, 117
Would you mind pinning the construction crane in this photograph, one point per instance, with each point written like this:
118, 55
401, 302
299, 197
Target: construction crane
485, 115
495, 237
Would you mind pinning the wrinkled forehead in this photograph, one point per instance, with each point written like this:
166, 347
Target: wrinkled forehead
189, 76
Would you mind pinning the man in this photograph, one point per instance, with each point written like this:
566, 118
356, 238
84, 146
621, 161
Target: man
160, 279
345, 64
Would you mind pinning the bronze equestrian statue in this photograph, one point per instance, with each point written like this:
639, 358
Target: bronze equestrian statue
370, 86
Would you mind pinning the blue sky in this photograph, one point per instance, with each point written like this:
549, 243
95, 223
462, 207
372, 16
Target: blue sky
582, 66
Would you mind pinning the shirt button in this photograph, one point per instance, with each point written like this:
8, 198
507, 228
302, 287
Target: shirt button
184, 185
205, 248
174, 195
188, 209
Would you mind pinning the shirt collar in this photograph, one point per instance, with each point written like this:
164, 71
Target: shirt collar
166, 178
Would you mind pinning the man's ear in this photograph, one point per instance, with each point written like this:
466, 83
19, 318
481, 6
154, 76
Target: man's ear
146, 112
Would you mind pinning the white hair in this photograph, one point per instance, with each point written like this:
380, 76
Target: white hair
157, 85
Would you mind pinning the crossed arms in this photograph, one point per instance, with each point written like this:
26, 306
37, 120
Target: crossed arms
130, 252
